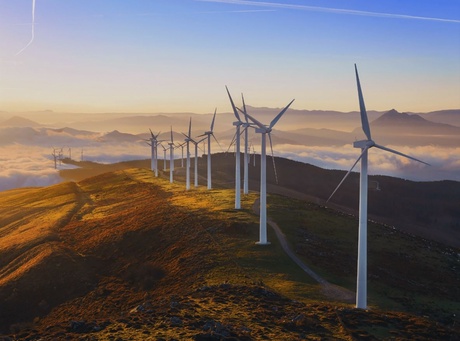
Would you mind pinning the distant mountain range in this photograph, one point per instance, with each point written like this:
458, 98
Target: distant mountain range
17, 121
137, 123
295, 128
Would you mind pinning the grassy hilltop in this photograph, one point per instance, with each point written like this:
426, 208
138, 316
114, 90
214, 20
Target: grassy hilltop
123, 255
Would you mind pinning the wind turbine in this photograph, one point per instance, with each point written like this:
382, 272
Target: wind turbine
208, 134
196, 143
187, 143
237, 124
263, 130
246, 125
154, 151
364, 145
181, 145
171, 158
164, 157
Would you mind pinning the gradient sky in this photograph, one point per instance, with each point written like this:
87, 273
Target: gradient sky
177, 55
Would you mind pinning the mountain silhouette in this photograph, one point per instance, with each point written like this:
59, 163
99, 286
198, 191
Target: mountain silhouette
396, 122
18, 121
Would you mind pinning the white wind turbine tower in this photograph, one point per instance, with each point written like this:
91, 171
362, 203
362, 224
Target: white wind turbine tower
171, 158
364, 145
182, 145
238, 123
208, 134
264, 130
196, 143
246, 126
154, 151
164, 157
187, 142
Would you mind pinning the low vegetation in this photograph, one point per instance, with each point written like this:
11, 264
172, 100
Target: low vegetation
127, 256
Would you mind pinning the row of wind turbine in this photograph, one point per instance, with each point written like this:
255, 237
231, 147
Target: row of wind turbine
154, 142
264, 130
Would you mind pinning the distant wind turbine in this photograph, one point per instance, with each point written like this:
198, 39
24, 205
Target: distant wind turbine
264, 130
364, 145
171, 158
196, 143
164, 157
187, 143
55, 157
208, 134
182, 146
154, 152
246, 126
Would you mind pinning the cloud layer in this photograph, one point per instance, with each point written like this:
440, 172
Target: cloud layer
26, 156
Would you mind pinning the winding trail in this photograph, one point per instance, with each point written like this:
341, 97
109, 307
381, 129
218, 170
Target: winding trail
328, 289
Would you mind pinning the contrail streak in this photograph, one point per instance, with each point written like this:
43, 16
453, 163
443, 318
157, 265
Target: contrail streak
33, 29
330, 10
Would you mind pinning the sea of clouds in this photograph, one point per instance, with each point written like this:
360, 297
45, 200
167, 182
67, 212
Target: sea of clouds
26, 156
444, 161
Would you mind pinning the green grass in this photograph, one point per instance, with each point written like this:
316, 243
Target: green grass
149, 234
405, 272
242, 261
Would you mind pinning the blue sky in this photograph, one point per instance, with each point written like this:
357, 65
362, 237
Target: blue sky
177, 55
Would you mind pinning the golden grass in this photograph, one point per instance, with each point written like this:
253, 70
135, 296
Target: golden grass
29, 217
181, 240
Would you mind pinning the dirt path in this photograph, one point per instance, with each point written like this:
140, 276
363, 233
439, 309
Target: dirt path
330, 290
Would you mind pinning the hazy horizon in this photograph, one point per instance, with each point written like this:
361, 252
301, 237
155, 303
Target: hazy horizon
84, 60
26, 152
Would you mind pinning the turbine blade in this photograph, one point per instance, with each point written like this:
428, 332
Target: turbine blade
172, 138
273, 157
158, 135
202, 135
255, 121
151, 133
217, 142
346, 175
244, 109
213, 119
399, 153
276, 119
233, 141
362, 108
233, 105
190, 127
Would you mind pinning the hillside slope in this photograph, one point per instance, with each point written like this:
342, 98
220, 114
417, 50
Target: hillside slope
124, 255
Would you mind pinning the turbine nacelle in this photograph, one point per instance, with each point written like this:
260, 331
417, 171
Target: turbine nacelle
364, 144
265, 130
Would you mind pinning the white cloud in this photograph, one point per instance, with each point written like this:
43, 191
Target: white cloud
445, 162
31, 164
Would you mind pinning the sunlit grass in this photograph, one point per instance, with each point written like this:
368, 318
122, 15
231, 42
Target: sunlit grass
242, 261
129, 225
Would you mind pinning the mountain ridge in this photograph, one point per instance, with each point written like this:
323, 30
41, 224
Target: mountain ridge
146, 244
